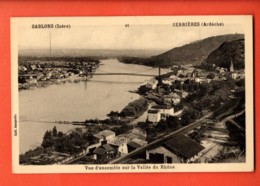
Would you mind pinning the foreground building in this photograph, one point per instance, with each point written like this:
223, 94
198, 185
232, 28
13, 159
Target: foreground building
179, 149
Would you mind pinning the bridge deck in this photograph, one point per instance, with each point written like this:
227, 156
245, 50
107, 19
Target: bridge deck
124, 74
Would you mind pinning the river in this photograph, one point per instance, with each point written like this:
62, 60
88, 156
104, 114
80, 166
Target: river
77, 101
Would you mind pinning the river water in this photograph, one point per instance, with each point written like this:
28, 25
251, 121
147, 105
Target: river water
77, 101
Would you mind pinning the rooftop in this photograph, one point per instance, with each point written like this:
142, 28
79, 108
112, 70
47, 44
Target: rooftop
99, 151
105, 133
152, 111
139, 131
134, 144
140, 142
162, 107
184, 146
119, 140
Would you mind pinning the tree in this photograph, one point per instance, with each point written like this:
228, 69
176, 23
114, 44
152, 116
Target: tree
47, 139
60, 134
54, 131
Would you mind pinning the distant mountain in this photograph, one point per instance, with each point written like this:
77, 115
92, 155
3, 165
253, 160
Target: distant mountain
228, 51
195, 52
90, 52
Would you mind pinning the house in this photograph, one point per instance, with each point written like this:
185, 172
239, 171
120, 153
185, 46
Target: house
152, 84
22, 68
234, 75
202, 80
33, 67
221, 70
104, 151
179, 149
171, 98
106, 135
167, 81
120, 143
154, 116
164, 109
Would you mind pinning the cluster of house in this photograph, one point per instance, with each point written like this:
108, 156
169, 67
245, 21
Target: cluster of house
179, 149
184, 75
170, 100
232, 72
34, 73
108, 146
115, 146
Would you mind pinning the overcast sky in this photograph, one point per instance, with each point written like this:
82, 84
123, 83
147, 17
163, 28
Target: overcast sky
118, 37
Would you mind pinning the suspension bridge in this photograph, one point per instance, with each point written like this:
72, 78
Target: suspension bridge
140, 73
123, 74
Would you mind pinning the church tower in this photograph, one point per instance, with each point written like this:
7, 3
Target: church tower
231, 66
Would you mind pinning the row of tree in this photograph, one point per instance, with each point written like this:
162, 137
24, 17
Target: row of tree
134, 108
60, 142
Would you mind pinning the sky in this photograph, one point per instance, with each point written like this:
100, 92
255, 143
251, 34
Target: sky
139, 36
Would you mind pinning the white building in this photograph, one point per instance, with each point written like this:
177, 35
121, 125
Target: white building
202, 80
234, 75
154, 116
121, 143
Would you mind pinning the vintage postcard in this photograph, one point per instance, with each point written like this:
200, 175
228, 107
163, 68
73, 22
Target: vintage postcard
132, 94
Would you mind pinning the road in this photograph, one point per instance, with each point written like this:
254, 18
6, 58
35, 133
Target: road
155, 143
230, 118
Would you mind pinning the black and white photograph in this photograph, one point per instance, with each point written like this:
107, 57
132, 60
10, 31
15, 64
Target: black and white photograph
132, 94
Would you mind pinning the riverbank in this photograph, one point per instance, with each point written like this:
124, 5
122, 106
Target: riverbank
91, 99
44, 84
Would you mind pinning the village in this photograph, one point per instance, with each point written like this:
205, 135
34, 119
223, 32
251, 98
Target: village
42, 72
184, 97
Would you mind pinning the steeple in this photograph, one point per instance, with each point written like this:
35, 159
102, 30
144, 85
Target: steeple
231, 66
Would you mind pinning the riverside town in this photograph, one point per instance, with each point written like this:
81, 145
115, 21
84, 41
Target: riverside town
140, 106
193, 113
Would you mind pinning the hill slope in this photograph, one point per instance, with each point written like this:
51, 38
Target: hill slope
195, 52
222, 56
